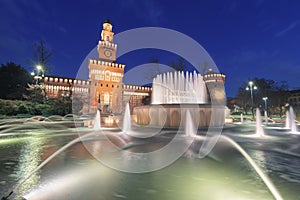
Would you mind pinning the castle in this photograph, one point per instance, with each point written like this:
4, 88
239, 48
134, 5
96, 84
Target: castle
104, 90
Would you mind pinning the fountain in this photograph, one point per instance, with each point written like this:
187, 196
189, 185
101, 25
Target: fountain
172, 88
126, 120
259, 129
97, 122
287, 120
266, 117
292, 120
190, 132
174, 93
189, 126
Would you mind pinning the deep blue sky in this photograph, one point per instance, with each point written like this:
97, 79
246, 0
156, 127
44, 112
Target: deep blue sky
246, 39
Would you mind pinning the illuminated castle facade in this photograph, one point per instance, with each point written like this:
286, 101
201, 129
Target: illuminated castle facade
105, 89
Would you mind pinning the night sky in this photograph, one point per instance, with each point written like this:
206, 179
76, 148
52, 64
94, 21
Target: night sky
246, 39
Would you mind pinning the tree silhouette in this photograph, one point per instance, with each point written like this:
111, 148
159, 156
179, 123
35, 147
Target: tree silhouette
41, 56
179, 65
277, 93
155, 69
13, 81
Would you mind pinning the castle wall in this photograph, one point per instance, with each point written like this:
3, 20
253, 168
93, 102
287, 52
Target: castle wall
106, 85
134, 95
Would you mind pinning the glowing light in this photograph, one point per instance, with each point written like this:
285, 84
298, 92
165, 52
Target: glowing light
38, 67
109, 120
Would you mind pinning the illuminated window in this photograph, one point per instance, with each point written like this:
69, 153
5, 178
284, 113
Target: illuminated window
106, 98
107, 75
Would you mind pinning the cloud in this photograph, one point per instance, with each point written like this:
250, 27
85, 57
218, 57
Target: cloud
292, 26
248, 56
62, 29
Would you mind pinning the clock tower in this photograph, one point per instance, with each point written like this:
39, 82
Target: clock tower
106, 48
106, 75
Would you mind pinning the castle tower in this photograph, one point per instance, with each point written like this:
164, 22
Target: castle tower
106, 48
106, 75
215, 85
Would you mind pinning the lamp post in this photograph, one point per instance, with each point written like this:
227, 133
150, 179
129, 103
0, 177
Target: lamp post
251, 87
266, 108
36, 77
67, 108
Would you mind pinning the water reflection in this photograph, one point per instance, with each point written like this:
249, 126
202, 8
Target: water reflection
30, 157
281, 167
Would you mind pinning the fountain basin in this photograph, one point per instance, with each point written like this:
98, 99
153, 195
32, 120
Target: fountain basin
174, 115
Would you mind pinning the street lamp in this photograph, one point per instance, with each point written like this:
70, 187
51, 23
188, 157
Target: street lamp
251, 87
266, 108
67, 108
39, 71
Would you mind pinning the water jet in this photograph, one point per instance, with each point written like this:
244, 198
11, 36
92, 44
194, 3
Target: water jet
259, 129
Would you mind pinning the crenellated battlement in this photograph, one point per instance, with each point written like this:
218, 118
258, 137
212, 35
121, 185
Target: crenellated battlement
65, 81
214, 77
56, 86
107, 44
105, 63
136, 87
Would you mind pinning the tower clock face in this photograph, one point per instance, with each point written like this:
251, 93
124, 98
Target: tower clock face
107, 53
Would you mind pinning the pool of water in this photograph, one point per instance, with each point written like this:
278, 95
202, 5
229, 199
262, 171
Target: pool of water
76, 174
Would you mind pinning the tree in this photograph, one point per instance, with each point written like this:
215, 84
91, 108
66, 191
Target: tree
13, 81
205, 68
280, 95
155, 69
264, 89
77, 105
34, 93
243, 98
277, 93
179, 65
41, 56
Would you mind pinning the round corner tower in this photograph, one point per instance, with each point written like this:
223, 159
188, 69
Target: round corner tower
215, 85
